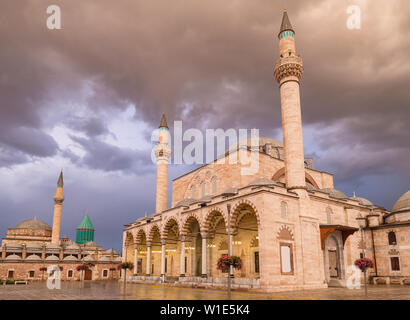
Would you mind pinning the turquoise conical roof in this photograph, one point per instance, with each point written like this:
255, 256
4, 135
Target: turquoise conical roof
86, 223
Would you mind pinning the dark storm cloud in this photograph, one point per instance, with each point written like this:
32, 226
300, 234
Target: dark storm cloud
106, 157
209, 63
90, 126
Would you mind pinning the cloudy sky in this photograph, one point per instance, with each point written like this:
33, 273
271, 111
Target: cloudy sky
87, 98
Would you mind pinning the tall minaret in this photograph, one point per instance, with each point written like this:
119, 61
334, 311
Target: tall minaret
58, 203
162, 153
288, 71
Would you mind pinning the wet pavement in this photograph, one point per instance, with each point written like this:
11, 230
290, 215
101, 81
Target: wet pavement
114, 290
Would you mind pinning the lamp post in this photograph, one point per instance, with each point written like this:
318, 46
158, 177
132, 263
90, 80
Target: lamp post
229, 193
362, 224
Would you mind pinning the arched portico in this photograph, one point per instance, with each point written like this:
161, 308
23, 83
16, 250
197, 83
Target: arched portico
154, 239
141, 243
193, 246
171, 238
245, 241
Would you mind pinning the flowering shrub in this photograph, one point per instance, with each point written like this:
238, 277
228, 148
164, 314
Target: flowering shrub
364, 263
82, 267
225, 261
125, 265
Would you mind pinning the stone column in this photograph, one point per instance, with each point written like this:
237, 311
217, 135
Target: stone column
24, 252
3, 252
204, 270
182, 261
148, 271
163, 259
135, 258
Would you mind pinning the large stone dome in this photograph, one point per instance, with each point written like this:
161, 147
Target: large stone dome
335, 193
362, 201
262, 142
403, 203
33, 224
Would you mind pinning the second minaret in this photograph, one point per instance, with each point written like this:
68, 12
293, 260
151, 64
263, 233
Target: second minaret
58, 204
288, 71
162, 153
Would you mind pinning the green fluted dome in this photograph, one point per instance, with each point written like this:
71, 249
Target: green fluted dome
85, 231
86, 223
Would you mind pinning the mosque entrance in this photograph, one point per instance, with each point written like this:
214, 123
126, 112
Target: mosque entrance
88, 275
333, 269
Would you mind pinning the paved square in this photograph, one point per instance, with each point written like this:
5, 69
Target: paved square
114, 290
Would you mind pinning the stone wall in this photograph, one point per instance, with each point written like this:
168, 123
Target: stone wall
22, 269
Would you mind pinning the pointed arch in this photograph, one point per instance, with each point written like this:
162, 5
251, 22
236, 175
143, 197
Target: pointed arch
209, 217
141, 236
285, 233
152, 231
170, 224
191, 217
237, 211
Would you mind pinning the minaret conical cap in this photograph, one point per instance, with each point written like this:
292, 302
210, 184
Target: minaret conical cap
286, 25
60, 182
163, 123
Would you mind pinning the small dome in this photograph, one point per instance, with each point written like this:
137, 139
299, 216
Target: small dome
110, 251
14, 245
310, 186
185, 202
362, 201
403, 203
13, 257
262, 182
335, 193
33, 246
70, 258
73, 247
88, 258
91, 244
104, 258
33, 224
33, 257
52, 258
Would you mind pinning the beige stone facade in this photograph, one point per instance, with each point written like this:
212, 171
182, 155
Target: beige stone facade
289, 225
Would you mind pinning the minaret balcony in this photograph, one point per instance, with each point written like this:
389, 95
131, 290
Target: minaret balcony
288, 66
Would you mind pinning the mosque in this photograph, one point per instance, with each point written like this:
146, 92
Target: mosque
289, 225
32, 245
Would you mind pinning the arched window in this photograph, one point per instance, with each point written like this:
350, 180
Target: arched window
392, 238
329, 215
202, 189
193, 192
213, 185
284, 210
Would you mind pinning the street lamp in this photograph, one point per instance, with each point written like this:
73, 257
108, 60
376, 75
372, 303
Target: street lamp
229, 193
362, 224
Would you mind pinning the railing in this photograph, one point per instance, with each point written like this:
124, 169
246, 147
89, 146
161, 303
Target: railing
290, 59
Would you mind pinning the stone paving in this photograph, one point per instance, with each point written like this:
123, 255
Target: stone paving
114, 290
